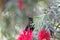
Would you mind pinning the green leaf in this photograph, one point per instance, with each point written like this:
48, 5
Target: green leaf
36, 17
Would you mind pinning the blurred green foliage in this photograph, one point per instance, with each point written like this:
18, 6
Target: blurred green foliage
13, 20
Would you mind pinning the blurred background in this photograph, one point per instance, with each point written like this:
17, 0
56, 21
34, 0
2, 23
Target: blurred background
14, 17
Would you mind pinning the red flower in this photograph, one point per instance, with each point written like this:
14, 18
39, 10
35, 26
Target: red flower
25, 35
43, 34
20, 4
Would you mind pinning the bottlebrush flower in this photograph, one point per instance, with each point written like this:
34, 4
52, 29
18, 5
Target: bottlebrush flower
44, 35
25, 35
20, 4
